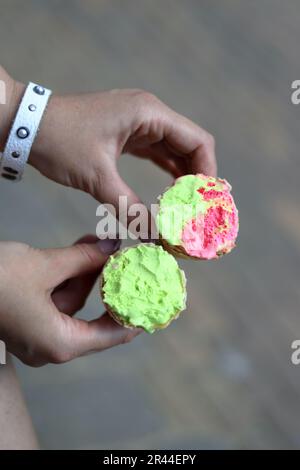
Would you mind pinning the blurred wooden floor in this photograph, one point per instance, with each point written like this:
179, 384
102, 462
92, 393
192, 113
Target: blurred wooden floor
221, 377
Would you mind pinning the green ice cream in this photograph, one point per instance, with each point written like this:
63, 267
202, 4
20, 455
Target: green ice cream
181, 203
144, 286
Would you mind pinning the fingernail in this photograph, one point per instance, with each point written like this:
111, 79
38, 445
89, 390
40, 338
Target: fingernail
108, 246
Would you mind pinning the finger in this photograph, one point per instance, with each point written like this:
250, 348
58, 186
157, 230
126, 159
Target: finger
80, 259
79, 338
167, 165
187, 138
88, 238
70, 296
106, 333
133, 207
164, 157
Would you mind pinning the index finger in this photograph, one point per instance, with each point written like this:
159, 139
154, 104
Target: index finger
191, 141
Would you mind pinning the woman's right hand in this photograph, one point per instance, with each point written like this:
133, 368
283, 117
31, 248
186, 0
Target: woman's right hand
41, 290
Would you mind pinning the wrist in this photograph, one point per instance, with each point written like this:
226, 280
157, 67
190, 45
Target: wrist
13, 93
43, 146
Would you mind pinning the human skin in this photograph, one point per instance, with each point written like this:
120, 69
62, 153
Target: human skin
41, 290
80, 140
82, 136
17, 432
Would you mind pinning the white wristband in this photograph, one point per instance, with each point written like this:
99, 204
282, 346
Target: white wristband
23, 132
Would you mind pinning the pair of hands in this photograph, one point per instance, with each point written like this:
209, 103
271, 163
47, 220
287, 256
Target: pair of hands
79, 143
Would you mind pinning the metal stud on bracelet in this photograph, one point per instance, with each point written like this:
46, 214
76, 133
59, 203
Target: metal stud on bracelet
23, 132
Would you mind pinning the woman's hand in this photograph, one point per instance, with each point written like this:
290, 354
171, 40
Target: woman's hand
82, 137
40, 291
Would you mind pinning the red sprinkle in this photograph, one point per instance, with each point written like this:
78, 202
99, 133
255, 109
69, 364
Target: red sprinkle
212, 194
201, 190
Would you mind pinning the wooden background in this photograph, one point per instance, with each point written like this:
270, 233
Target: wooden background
221, 376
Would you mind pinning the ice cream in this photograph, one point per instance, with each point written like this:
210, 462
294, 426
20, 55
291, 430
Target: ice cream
143, 286
198, 218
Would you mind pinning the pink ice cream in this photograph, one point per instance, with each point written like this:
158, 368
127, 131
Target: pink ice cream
214, 233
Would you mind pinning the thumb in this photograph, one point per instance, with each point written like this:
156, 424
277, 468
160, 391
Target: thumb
144, 228
80, 259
